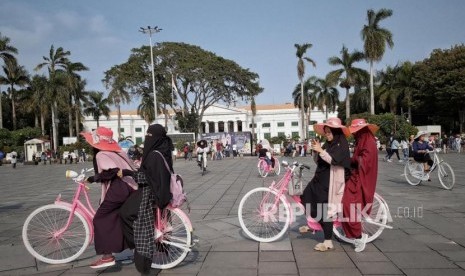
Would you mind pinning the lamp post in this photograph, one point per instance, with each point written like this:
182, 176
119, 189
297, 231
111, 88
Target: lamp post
149, 30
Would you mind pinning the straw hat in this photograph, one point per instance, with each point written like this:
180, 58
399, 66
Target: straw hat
420, 133
102, 139
332, 123
358, 124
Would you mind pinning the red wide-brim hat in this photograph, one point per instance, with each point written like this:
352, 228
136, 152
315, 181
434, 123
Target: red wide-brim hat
102, 139
358, 124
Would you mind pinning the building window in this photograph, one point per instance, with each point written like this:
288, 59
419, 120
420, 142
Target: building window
138, 129
281, 134
295, 124
267, 135
295, 134
121, 130
254, 125
239, 125
220, 126
280, 124
266, 125
138, 140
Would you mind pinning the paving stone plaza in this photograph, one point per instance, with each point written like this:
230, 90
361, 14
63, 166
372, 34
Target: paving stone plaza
428, 235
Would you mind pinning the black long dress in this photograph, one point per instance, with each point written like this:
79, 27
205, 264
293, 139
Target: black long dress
317, 191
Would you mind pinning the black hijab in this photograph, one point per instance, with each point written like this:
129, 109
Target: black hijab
338, 148
156, 139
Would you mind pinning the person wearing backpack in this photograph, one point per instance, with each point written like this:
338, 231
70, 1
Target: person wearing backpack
153, 179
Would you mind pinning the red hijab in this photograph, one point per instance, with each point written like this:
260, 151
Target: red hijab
366, 159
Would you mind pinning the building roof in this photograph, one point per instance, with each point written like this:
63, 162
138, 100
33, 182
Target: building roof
245, 107
269, 106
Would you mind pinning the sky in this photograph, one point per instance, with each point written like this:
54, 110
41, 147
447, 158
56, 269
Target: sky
256, 34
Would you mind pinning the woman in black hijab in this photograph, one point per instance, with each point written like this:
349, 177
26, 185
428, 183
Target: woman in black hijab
154, 189
323, 193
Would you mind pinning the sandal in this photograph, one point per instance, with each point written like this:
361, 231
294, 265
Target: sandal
322, 247
305, 229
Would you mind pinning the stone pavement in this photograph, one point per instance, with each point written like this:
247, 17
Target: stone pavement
428, 236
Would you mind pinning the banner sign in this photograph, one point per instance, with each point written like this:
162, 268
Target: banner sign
241, 139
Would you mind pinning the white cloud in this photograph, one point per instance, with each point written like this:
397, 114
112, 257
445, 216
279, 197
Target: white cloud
97, 24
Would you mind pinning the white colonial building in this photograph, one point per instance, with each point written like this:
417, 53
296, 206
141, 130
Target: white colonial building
270, 121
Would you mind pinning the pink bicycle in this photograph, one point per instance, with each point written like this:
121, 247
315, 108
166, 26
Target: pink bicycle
266, 213
59, 233
264, 169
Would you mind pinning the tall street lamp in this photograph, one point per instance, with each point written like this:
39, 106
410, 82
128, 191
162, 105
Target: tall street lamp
149, 30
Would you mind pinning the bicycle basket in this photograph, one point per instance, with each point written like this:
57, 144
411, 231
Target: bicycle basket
296, 186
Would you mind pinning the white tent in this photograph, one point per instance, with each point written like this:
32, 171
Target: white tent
36, 146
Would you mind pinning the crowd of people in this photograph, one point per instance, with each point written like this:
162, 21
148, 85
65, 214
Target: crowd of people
402, 147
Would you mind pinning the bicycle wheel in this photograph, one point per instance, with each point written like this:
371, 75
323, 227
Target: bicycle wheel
202, 167
446, 175
262, 168
413, 172
263, 216
172, 247
373, 225
41, 227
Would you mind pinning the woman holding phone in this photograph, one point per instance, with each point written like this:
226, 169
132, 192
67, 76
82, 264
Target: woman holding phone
322, 196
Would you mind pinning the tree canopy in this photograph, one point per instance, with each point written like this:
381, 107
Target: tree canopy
201, 77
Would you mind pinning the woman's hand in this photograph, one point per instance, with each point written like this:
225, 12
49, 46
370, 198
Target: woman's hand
316, 147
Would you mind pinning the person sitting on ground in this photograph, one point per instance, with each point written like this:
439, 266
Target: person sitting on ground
420, 150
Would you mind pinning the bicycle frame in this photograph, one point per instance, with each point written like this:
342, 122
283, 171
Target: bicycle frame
87, 212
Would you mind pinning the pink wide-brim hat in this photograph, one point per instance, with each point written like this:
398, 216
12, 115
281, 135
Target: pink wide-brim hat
102, 139
331, 123
358, 124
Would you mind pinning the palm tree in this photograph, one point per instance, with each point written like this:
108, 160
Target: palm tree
375, 39
388, 89
348, 75
15, 75
6, 53
117, 96
328, 96
145, 108
73, 81
404, 78
301, 50
309, 96
38, 102
97, 106
55, 61
253, 108
80, 96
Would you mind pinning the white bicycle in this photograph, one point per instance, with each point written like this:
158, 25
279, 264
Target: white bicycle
414, 172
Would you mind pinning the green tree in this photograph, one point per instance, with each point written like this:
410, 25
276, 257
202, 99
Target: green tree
118, 95
38, 103
15, 75
202, 78
6, 53
439, 88
389, 91
97, 106
375, 39
348, 75
300, 52
55, 62
74, 87
310, 96
328, 96
145, 108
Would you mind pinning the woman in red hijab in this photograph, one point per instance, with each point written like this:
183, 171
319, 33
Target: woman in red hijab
360, 188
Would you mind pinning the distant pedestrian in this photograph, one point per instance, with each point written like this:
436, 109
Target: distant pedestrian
14, 159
